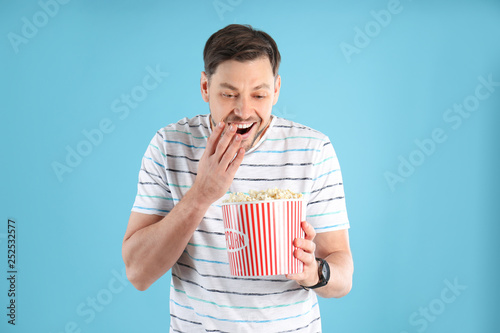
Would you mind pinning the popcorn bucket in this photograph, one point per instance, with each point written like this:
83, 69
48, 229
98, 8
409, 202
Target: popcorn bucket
260, 234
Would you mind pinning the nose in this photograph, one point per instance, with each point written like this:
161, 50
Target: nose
243, 107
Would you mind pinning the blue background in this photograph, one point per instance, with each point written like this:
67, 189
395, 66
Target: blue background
437, 226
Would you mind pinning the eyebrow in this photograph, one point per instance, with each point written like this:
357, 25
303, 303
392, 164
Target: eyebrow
231, 87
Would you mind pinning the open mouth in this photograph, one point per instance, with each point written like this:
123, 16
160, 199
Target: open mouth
244, 128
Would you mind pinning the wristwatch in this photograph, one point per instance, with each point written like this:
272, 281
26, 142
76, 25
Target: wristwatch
323, 273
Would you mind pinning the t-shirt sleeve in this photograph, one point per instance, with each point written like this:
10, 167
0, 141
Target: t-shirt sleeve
153, 192
326, 208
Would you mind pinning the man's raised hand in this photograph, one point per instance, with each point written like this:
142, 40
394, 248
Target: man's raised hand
219, 163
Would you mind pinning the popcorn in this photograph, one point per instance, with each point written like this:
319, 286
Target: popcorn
269, 194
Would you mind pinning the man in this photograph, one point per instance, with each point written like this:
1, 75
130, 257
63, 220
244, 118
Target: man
176, 220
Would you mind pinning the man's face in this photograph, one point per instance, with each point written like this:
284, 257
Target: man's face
242, 94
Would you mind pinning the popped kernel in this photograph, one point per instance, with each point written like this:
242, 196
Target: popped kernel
269, 194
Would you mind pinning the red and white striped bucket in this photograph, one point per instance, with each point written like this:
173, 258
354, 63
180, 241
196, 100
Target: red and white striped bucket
260, 234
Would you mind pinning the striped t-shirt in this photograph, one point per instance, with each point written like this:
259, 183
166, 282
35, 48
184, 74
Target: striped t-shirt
203, 294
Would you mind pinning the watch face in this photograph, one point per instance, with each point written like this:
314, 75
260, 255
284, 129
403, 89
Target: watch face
324, 271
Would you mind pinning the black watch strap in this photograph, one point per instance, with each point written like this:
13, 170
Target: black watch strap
323, 273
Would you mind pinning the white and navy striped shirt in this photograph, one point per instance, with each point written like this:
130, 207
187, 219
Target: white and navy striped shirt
203, 294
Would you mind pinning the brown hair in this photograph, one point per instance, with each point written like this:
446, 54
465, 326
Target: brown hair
241, 43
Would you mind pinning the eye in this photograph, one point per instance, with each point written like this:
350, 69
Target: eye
260, 96
228, 95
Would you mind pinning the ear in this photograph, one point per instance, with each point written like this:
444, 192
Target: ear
277, 87
204, 86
